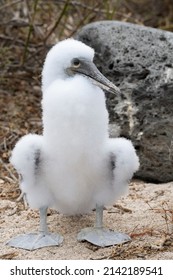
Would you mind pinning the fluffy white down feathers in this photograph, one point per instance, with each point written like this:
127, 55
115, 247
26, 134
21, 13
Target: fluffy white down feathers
69, 166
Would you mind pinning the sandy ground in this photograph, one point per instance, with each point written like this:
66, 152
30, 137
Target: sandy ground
146, 214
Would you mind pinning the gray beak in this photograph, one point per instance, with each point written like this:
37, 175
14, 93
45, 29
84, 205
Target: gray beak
88, 68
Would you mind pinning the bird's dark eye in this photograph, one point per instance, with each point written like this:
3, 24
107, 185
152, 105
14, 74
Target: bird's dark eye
76, 62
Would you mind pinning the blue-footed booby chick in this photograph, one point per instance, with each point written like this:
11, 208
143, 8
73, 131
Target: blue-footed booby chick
73, 166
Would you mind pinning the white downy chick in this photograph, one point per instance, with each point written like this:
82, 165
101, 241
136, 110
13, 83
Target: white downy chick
74, 166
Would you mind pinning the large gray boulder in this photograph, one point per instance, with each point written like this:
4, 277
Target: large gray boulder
140, 61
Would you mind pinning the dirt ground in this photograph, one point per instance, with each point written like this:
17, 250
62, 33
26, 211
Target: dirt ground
146, 214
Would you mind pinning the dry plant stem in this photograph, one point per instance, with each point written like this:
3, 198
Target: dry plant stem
81, 23
8, 179
10, 4
23, 196
29, 32
62, 14
167, 216
9, 171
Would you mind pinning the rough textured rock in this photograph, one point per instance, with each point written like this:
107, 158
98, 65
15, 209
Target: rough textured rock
140, 61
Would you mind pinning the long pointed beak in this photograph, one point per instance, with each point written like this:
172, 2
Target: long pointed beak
88, 68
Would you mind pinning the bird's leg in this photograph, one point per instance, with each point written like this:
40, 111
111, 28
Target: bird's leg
32, 241
43, 220
99, 216
100, 236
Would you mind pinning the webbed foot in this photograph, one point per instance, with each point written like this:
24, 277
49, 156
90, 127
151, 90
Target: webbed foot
102, 237
32, 241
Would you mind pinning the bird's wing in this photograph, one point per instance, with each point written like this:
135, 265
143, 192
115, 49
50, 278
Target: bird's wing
27, 158
26, 155
123, 163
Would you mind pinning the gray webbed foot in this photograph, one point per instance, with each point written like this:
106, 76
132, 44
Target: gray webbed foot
32, 241
100, 236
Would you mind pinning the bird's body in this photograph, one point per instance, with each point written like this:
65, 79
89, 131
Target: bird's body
77, 147
74, 165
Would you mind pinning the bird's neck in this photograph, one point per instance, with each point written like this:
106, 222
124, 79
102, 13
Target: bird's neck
77, 116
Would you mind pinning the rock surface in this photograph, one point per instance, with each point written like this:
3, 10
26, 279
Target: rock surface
140, 61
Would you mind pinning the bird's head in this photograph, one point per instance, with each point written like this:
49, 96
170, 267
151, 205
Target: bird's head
69, 58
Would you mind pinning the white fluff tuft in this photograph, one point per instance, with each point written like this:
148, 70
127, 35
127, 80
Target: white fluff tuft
24, 158
126, 164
